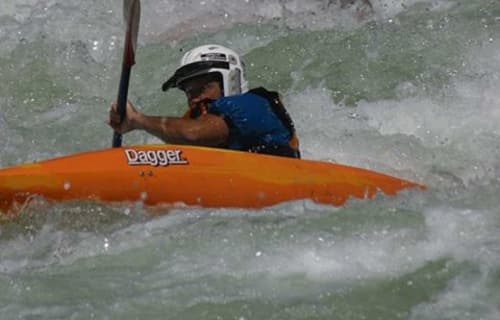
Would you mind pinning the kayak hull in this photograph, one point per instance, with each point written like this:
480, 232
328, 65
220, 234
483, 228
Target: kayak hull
194, 176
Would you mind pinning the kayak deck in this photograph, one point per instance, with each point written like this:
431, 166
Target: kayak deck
195, 176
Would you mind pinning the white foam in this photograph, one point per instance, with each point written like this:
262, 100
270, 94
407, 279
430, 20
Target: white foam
450, 135
333, 132
386, 9
462, 122
467, 296
387, 252
99, 24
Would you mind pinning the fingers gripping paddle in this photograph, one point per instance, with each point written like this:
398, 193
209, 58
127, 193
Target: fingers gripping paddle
131, 14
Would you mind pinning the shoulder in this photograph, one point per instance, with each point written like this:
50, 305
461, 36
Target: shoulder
240, 100
249, 96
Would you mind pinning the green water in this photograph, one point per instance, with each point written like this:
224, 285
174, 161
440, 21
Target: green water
409, 90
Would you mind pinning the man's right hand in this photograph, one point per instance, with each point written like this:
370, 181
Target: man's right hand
129, 123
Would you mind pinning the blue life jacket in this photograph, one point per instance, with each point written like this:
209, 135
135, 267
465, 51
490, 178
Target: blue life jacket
258, 122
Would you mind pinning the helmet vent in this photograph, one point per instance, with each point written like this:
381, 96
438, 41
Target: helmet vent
214, 56
233, 60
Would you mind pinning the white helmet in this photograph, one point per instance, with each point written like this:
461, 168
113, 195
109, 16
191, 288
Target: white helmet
208, 59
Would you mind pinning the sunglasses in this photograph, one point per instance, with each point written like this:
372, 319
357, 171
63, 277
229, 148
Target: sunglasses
195, 88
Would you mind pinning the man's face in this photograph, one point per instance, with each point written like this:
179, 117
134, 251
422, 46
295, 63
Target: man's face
197, 90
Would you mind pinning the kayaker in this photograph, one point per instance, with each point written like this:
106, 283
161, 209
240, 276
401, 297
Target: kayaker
222, 111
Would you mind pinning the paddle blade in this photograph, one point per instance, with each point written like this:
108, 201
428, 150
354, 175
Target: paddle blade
132, 16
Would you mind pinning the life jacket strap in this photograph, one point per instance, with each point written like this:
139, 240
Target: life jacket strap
280, 111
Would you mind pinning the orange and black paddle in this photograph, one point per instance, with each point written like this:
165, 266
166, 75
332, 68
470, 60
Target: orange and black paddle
131, 14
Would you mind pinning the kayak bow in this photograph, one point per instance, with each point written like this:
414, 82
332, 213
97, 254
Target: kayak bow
198, 176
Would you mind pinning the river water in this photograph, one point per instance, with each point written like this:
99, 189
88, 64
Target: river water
408, 88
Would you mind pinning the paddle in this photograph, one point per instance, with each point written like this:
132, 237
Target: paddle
131, 14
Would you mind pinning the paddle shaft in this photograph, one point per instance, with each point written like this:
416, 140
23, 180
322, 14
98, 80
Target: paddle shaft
132, 16
122, 101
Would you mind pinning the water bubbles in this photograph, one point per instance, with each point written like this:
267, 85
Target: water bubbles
112, 43
353, 115
430, 25
95, 45
485, 23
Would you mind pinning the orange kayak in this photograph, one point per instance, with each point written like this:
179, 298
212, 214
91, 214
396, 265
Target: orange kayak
197, 176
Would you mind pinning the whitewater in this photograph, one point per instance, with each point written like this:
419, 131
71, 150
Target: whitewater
408, 88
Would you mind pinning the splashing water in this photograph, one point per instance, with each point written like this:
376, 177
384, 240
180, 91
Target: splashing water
403, 87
